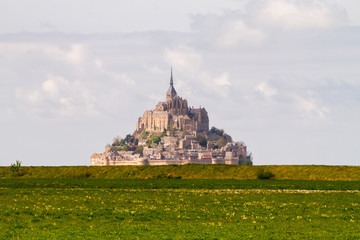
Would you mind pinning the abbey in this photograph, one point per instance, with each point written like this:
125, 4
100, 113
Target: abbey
173, 133
174, 113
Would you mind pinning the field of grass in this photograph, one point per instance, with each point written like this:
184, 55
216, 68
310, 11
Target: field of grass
191, 171
178, 209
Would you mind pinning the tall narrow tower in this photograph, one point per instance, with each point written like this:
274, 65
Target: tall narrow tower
171, 91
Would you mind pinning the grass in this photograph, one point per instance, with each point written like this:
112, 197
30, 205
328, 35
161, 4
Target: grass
191, 171
178, 209
180, 202
176, 184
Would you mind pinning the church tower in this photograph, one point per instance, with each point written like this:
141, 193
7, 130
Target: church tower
171, 93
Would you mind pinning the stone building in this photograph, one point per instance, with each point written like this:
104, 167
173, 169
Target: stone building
181, 147
174, 113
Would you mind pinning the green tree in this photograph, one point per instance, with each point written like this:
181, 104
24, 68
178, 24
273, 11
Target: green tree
125, 148
139, 150
221, 142
202, 140
227, 137
245, 161
129, 139
216, 131
144, 134
116, 142
156, 139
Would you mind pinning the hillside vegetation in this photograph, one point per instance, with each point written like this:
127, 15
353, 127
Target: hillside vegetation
191, 171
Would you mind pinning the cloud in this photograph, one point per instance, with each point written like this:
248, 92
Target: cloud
235, 32
311, 106
120, 77
52, 85
32, 96
296, 14
184, 58
254, 24
189, 63
56, 97
226, 30
265, 89
74, 55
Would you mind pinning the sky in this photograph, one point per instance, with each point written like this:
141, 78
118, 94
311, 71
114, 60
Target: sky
282, 76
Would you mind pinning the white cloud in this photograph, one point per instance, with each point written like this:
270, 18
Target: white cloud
222, 80
98, 64
121, 77
31, 96
153, 69
311, 105
188, 62
52, 85
56, 97
235, 32
265, 89
226, 30
74, 55
296, 14
184, 59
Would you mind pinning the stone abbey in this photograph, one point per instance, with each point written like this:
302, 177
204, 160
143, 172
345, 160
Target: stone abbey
173, 133
174, 113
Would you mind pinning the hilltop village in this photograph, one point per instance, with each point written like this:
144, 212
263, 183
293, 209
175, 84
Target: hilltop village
173, 133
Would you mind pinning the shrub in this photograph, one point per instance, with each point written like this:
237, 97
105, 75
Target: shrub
262, 174
16, 169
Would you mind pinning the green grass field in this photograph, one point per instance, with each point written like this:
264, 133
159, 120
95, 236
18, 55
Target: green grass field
189, 171
89, 208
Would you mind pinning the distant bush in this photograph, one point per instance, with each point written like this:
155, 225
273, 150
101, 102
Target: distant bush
262, 174
166, 176
16, 169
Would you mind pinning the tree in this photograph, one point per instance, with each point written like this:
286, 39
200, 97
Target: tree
156, 139
116, 141
216, 131
245, 161
129, 139
227, 137
144, 134
221, 142
202, 140
125, 148
139, 150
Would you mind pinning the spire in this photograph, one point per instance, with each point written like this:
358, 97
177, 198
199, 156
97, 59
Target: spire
171, 91
171, 77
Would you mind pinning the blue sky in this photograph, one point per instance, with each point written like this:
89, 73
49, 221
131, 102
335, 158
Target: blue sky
280, 75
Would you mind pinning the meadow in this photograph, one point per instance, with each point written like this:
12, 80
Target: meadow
91, 208
189, 171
